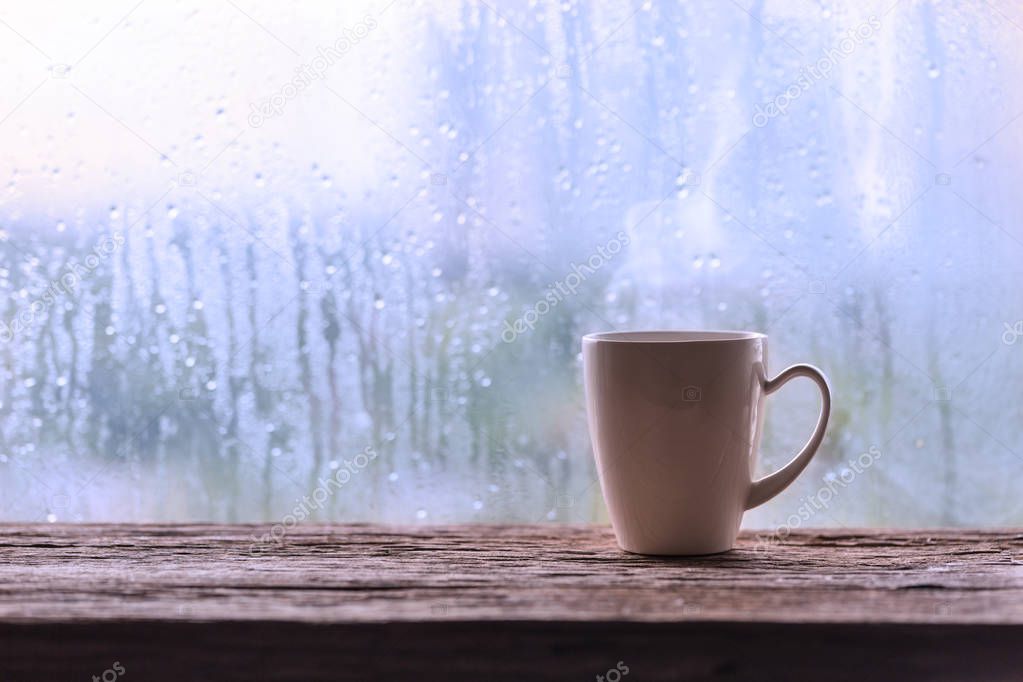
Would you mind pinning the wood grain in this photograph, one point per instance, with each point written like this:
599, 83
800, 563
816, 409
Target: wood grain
503, 602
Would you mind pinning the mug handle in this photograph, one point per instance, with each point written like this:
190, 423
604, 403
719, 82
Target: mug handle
767, 487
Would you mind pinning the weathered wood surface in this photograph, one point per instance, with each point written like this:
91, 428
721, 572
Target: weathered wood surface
503, 602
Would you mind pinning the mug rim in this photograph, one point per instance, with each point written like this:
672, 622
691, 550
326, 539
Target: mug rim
661, 336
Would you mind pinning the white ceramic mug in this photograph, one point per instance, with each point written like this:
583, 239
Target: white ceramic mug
675, 419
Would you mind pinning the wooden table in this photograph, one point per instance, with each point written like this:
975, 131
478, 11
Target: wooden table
361, 602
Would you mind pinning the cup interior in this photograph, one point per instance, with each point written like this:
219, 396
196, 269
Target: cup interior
672, 336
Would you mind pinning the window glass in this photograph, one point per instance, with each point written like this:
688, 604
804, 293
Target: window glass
265, 262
